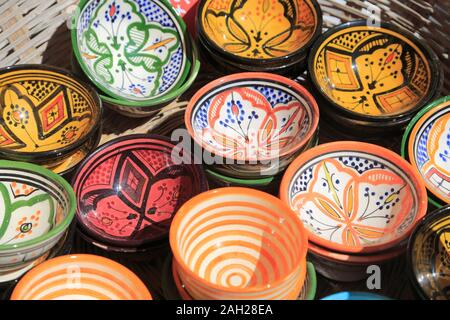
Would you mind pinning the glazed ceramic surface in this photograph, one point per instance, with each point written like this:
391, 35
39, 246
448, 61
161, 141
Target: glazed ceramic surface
37, 207
238, 243
260, 29
429, 147
354, 197
373, 72
252, 116
355, 296
130, 188
80, 277
132, 50
45, 112
429, 255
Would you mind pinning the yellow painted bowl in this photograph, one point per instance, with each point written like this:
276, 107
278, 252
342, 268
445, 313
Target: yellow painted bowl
46, 113
380, 74
259, 32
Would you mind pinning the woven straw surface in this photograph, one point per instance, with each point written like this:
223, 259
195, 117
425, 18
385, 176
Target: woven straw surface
37, 31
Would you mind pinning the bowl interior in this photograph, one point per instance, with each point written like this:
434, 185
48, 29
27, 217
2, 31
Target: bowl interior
237, 240
129, 190
252, 119
429, 149
430, 256
354, 197
80, 277
372, 72
32, 206
44, 111
262, 29
132, 50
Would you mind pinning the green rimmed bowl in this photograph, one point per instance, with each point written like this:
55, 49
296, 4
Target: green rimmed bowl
136, 52
37, 209
426, 145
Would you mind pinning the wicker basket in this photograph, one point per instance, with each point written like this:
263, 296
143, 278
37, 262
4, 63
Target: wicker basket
37, 31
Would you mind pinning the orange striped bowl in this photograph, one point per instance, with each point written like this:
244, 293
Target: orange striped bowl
239, 243
80, 277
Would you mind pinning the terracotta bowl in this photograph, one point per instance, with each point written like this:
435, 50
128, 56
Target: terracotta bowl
80, 277
253, 123
48, 114
355, 296
129, 189
259, 34
429, 255
354, 197
426, 144
37, 208
375, 74
239, 243
132, 50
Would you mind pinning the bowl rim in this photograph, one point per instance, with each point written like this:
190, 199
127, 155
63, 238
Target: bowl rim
424, 223
49, 175
275, 60
234, 191
111, 241
407, 139
247, 182
76, 258
97, 115
437, 77
359, 295
354, 146
184, 38
176, 92
255, 76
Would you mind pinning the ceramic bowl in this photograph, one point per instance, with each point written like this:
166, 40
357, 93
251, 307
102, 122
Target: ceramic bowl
129, 189
132, 50
426, 144
37, 208
173, 289
259, 34
239, 243
354, 197
47, 114
253, 123
375, 74
355, 296
344, 267
429, 255
80, 277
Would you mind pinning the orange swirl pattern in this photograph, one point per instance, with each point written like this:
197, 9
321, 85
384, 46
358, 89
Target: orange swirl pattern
80, 277
237, 243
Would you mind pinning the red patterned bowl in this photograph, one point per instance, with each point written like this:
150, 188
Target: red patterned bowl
130, 188
354, 197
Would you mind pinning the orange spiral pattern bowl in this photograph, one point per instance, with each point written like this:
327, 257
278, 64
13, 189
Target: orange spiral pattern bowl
80, 277
239, 243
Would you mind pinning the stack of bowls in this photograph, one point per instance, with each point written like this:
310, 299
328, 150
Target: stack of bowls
80, 277
49, 117
271, 36
359, 203
130, 188
429, 256
238, 243
426, 144
137, 53
251, 126
373, 78
37, 209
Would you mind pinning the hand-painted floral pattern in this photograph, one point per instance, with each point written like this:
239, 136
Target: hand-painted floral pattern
259, 28
353, 201
25, 212
251, 123
132, 48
